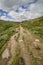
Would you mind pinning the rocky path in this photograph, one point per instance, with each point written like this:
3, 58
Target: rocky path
24, 51
29, 41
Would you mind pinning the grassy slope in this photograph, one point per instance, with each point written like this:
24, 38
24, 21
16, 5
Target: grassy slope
35, 26
6, 30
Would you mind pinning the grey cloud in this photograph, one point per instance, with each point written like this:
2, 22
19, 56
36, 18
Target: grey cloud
15, 3
38, 8
11, 3
40, 1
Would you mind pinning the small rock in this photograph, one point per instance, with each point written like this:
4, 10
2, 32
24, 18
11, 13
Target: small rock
6, 54
37, 40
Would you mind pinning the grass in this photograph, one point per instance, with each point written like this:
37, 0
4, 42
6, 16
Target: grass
35, 26
7, 29
34, 59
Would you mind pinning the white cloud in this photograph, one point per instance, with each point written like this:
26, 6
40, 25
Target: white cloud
23, 14
5, 18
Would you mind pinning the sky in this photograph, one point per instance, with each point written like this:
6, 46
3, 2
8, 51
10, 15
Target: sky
20, 10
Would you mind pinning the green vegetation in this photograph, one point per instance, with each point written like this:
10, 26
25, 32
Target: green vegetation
7, 29
34, 59
35, 26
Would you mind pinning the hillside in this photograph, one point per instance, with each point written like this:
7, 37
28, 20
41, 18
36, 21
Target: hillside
35, 26
7, 29
21, 43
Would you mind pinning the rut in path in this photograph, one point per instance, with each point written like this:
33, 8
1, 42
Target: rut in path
12, 46
24, 51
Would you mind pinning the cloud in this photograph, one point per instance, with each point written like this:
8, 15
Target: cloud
5, 4
6, 18
19, 10
23, 14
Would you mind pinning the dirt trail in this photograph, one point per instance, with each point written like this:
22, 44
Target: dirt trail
32, 43
12, 45
24, 51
